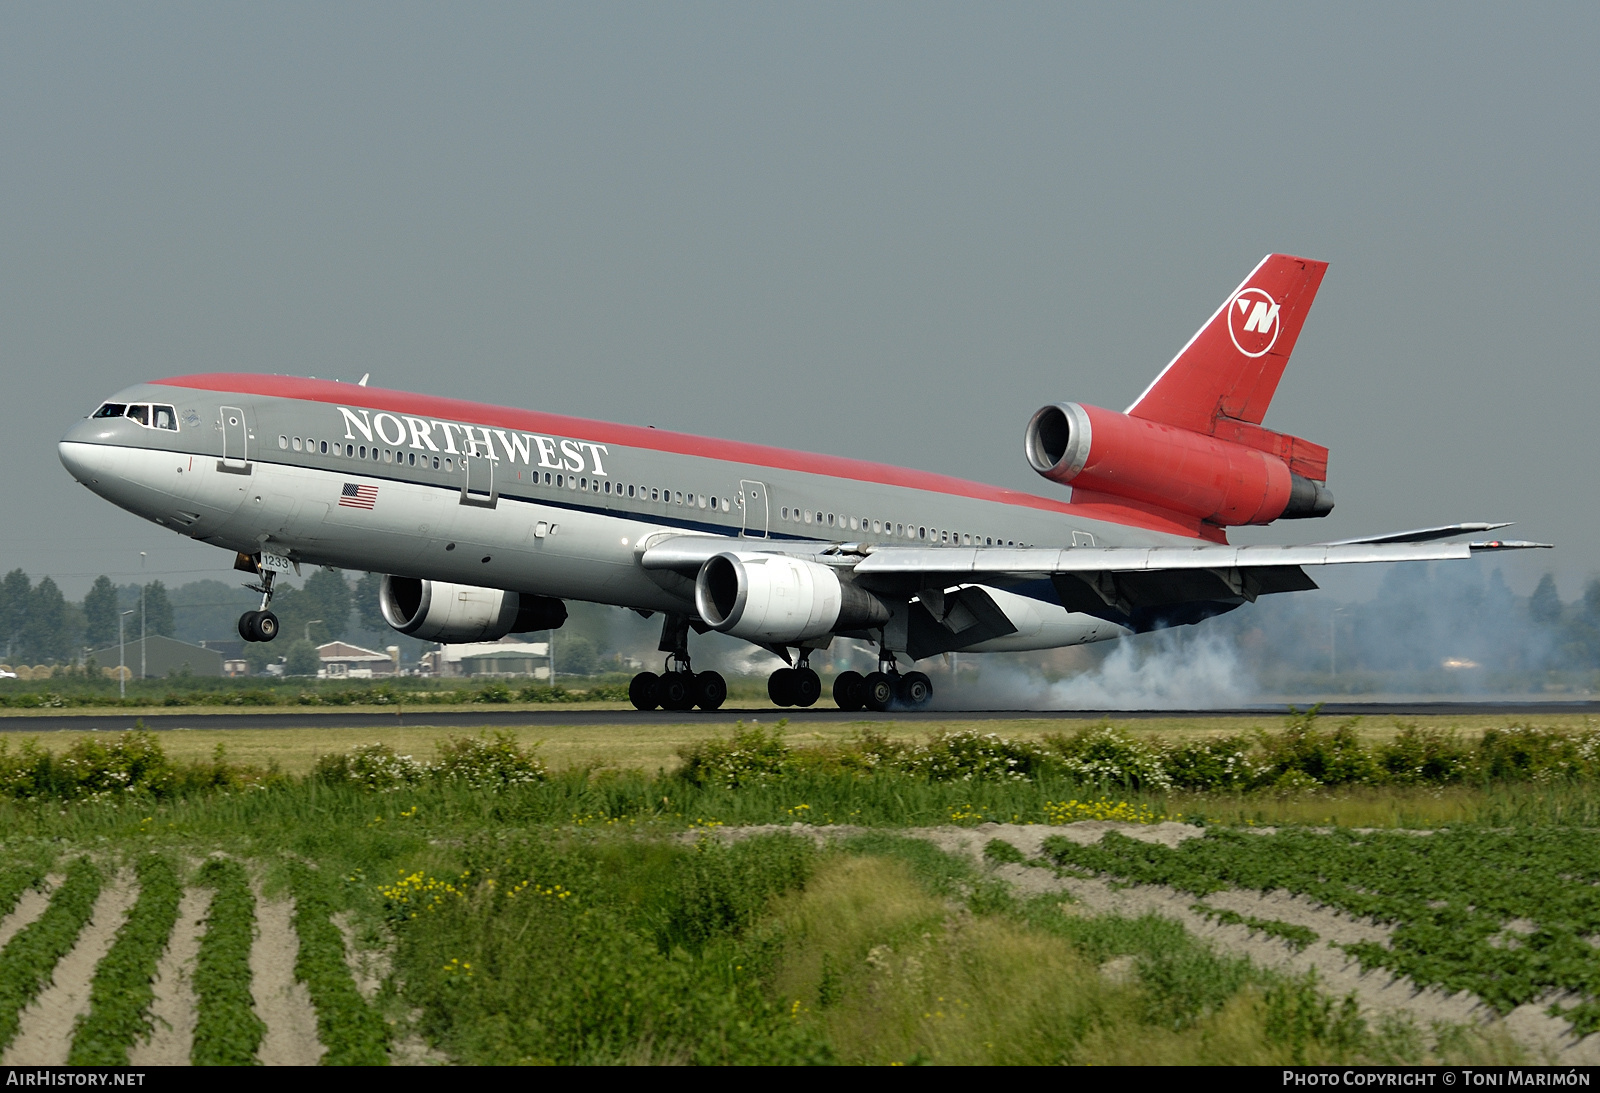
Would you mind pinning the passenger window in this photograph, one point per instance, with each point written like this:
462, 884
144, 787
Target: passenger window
630, 490
296, 443
701, 501
388, 455
653, 495
583, 483
111, 409
449, 464
363, 451
680, 497
323, 447
922, 533
830, 519
165, 417
139, 413
283, 441
560, 481
435, 462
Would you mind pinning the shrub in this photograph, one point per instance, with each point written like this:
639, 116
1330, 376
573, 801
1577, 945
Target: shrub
371, 766
752, 757
966, 755
488, 764
1101, 754
1527, 753
1331, 758
1224, 763
1424, 756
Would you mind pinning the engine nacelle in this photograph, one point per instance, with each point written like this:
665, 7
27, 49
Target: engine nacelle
774, 600
453, 613
1216, 480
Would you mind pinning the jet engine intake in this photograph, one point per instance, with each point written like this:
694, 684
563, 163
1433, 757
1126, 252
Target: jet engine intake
1220, 481
453, 613
775, 600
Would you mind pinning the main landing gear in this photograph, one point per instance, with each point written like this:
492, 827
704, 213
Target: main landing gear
680, 687
882, 689
260, 625
797, 686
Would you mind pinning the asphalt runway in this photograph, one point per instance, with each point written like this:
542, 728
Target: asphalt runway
480, 717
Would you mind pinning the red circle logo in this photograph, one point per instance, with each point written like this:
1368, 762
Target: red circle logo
1254, 322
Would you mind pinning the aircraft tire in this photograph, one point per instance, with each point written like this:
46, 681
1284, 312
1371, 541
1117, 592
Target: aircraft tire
266, 626
850, 691
247, 625
807, 687
914, 689
676, 691
710, 690
781, 687
644, 691
880, 691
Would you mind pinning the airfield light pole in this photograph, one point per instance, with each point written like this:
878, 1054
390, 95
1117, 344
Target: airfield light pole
143, 668
122, 649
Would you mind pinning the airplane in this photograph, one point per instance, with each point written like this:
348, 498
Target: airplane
487, 519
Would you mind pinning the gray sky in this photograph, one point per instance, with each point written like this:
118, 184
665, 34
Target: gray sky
888, 231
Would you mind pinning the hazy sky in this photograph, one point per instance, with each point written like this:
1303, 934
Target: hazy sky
889, 231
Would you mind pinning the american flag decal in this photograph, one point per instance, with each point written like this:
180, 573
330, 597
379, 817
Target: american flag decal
358, 497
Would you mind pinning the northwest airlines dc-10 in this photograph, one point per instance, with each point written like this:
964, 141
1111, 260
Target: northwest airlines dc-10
487, 519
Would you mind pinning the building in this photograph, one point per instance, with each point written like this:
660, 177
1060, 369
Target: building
341, 660
491, 658
160, 657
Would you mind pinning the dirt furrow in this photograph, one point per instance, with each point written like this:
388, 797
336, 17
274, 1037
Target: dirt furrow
29, 907
281, 1002
173, 1010
45, 1032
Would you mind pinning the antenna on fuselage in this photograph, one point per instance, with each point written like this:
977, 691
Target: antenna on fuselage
365, 376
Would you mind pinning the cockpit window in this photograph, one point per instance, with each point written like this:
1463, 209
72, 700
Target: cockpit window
139, 413
164, 417
111, 409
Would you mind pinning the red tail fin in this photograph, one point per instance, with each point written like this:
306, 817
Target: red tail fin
1229, 370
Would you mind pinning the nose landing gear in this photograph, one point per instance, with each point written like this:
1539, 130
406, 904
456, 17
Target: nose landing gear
680, 687
260, 625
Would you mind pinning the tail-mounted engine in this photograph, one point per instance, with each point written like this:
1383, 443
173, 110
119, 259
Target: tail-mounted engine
775, 600
452, 613
1243, 474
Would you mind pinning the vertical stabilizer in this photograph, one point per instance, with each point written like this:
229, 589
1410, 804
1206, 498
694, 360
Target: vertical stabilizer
1231, 368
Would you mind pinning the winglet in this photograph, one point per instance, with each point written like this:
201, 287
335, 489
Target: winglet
1230, 369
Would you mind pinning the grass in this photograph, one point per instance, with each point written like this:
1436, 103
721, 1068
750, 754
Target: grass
654, 745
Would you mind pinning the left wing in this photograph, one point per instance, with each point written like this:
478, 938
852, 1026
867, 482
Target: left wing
1138, 587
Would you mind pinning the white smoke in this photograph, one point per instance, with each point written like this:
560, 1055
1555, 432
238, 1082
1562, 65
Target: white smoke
1168, 670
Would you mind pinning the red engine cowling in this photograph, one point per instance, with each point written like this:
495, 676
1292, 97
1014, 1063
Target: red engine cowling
1218, 481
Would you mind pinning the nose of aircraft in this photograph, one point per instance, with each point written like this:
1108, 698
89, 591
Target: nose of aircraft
86, 450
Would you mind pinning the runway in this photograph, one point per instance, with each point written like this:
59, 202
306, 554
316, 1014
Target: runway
483, 716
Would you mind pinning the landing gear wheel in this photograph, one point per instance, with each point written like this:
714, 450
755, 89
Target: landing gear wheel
850, 691
266, 626
807, 687
880, 691
914, 689
710, 690
644, 691
676, 691
782, 688
247, 625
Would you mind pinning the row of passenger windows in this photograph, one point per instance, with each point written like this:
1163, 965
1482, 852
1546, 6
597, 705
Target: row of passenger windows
152, 415
919, 532
360, 451
660, 495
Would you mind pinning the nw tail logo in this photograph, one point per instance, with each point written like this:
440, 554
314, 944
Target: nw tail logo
1253, 322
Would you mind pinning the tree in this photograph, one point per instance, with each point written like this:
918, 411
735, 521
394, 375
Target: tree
368, 610
157, 610
301, 659
15, 591
46, 638
100, 614
326, 596
1544, 606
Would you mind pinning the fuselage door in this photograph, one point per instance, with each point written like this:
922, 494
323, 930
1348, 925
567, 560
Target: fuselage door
235, 455
753, 500
478, 486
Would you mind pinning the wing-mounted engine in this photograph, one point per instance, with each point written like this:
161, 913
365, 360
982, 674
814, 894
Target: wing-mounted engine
1242, 474
453, 613
772, 599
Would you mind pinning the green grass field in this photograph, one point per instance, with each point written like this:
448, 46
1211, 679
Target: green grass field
627, 894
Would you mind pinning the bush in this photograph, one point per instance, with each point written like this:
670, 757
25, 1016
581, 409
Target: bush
752, 757
1224, 763
371, 766
1330, 758
1424, 756
488, 764
966, 755
1102, 755
1526, 753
